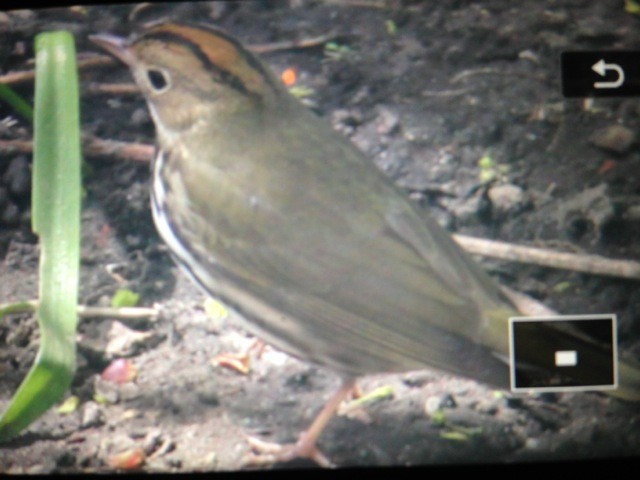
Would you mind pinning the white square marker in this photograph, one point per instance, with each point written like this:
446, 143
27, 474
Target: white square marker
566, 358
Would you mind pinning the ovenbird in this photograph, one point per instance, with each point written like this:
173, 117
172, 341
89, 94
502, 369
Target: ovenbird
283, 219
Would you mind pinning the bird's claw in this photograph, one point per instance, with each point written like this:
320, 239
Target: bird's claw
268, 453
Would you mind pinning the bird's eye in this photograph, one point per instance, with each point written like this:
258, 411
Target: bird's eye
158, 79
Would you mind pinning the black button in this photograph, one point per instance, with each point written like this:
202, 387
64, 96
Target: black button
601, 73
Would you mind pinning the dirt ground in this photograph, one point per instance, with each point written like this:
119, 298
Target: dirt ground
426, 89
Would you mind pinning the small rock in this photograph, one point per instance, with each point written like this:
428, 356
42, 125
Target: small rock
346, 121
514, 402
586, 213
506, 198
432, 405
18, 176
468, 210
529, 55
387, 121
616, 138
448, 401
208, 394
140, 117
124, 341
487, 407
152, 441
417, 378
439, 402
10, 215
41, 469
108, 391
92, 415
531, 443
210, 460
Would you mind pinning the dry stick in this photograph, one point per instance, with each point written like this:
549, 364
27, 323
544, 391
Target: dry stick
292, 44
92, 147
360, 3
527, 305
112, 88
569, 261
444, 93
29, 75
122, 313
139, 152
495, 71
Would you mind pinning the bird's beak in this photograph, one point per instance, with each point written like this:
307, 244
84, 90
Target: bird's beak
116, 46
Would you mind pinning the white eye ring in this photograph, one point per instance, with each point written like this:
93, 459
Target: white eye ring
158, 79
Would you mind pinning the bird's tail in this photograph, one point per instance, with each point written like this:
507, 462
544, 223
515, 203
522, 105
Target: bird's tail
628, 382
628, 370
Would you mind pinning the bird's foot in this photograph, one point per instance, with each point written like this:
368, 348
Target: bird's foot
268, 453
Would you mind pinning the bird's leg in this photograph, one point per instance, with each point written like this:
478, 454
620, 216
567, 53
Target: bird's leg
305, 447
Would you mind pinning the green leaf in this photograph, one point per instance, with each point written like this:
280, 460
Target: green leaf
70, 405
215, 309
380, 393
16, 102
562, 287
456, 436
56, 219
439, 418
392, 28
18, 307
125, 298
632, 7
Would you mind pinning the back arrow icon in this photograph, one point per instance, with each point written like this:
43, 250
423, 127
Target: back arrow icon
601, 68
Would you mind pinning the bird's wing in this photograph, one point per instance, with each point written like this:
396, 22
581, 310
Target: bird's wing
376, 301
325, 251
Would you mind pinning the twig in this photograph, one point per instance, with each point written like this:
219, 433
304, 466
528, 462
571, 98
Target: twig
112, 88
527, 305
29, 75
138, 152
92, 147
495, 71
593, 264
124, 313
360, 3
292, 44
12, 147
444, 93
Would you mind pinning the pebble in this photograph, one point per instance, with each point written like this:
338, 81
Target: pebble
615, 138
18, 176
140, 117
432, 405
531, 443
91, 415
387, 121
437, 402
10, 215
506, 198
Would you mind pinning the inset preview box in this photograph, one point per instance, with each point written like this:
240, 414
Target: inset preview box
563, 353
